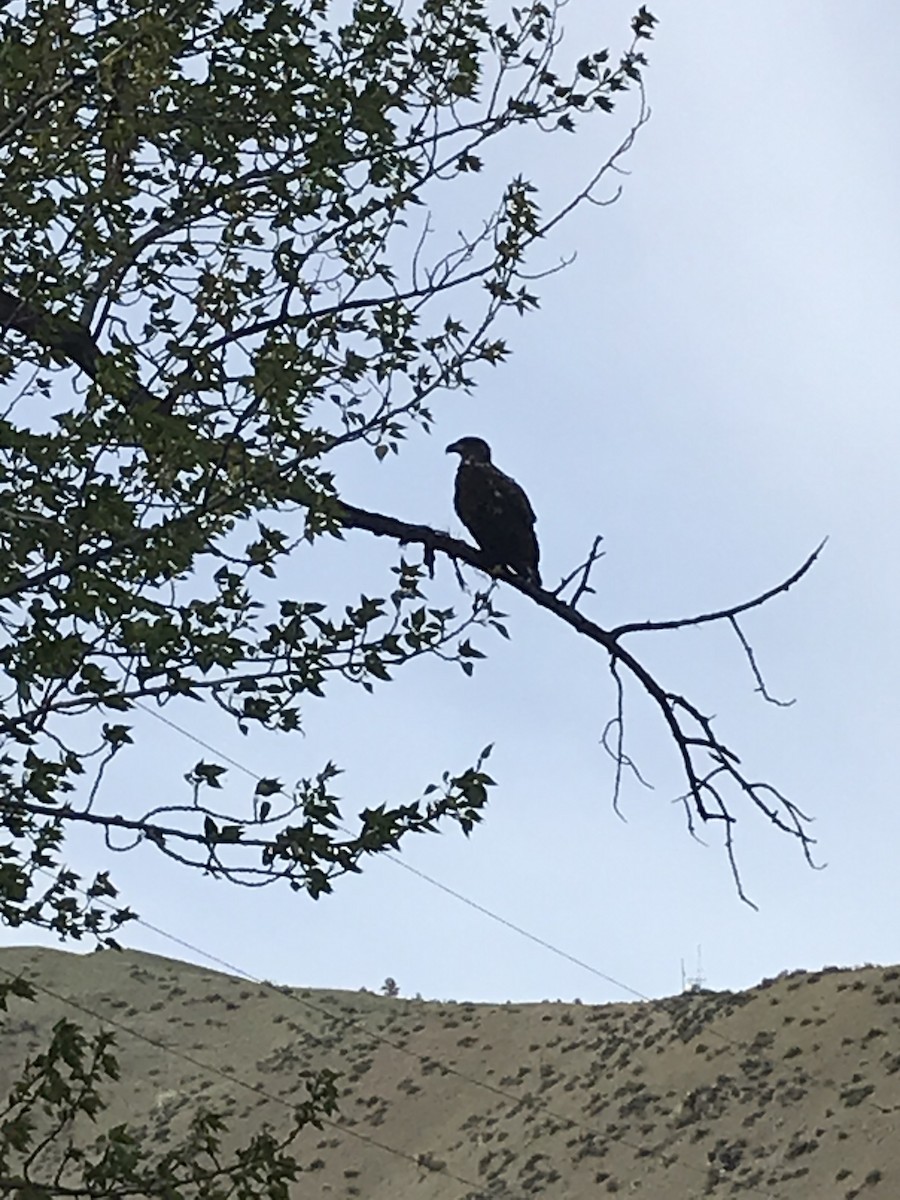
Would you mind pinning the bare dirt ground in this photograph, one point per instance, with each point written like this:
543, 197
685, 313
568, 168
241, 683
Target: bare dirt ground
790, 1090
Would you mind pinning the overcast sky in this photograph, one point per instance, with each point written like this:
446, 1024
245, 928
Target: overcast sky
713, 386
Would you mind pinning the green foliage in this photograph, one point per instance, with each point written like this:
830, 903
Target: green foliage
47, 1148
218, 264
222, 260
17, 987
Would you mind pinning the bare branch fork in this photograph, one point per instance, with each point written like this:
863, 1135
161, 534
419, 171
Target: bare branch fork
584, 570
707, 763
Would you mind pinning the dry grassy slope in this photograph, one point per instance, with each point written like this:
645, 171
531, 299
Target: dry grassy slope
790, 1090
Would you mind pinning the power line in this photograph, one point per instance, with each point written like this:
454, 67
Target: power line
504, 921
473, 904
447, 1069
212, 1069
374, 1035
534, 1101
399, 862
429, 879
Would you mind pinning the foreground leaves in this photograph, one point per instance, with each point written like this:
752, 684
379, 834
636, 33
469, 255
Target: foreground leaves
47, 1149
221, 262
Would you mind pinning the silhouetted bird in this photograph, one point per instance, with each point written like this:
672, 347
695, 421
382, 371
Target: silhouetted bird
495, 510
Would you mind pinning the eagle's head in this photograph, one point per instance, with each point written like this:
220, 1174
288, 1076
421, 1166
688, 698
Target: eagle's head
471, 450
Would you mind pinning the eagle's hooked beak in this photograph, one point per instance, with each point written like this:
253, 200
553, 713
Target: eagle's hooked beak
453, 448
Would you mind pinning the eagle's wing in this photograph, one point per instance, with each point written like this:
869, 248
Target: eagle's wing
515, 499
487, 499
498, 514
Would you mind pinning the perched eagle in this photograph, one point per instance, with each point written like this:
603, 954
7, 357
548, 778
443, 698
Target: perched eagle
495, 510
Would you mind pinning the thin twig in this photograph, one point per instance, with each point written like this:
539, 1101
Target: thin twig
757, 675
583, 569
723, 613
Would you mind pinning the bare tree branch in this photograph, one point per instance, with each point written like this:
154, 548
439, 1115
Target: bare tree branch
616, 750
696, 741
583, 569
723, 614
751, 659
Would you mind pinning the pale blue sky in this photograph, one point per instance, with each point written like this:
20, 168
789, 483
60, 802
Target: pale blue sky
712, 385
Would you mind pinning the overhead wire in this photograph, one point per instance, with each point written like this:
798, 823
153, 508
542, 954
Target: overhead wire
212, 1069
446, 1068
396, 860
429, 879
375, 1035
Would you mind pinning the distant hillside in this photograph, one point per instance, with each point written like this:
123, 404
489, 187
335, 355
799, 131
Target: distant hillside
790, 1090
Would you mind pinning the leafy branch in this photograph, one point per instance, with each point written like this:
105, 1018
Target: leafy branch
46, 1152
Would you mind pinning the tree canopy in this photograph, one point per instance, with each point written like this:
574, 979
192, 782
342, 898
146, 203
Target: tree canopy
221, 259
218, 266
